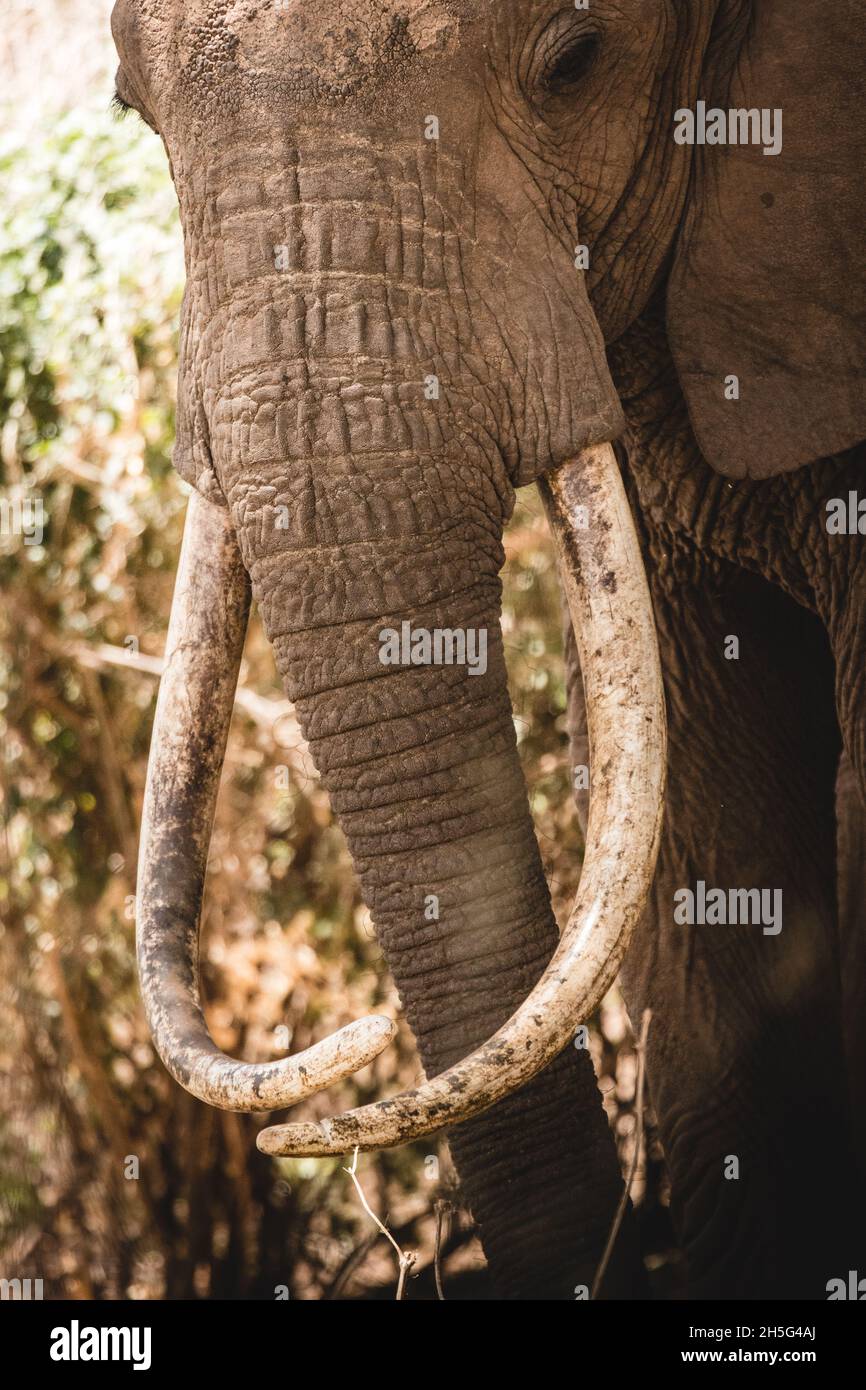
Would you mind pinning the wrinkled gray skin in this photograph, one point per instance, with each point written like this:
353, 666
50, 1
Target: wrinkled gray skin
303, 388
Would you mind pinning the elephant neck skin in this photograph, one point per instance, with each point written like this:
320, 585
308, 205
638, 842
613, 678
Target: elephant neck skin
698, 527
698, 522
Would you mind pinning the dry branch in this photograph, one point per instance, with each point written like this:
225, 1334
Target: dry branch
275, 717
407, 1260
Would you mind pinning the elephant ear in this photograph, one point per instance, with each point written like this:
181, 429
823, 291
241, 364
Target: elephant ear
767, 283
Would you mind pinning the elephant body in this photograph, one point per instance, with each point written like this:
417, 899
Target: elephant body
754, 1037
436, 251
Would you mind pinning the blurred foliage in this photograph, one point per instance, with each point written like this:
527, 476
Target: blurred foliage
114, 1182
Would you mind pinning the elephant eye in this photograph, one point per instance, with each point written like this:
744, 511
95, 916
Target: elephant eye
124, 101
120, 105
570, 62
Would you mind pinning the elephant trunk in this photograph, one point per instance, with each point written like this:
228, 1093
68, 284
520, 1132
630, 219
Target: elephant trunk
477, 808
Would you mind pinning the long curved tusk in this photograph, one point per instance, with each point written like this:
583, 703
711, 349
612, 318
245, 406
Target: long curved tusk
611, 611
203, 654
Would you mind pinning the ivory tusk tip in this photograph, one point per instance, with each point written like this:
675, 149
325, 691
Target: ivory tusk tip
297, 1141
327, 1062
367, 1037
379, 1026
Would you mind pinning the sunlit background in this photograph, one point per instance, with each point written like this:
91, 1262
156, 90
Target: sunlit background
113, 1182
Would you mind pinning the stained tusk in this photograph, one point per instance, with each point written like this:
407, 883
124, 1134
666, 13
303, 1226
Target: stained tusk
203, 654
610, 608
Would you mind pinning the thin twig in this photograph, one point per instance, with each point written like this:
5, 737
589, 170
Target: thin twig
635, 1159
406, 1263
260, 708
406, 1260
276, 717
442, 1209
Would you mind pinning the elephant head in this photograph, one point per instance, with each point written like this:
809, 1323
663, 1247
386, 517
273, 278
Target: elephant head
411, 228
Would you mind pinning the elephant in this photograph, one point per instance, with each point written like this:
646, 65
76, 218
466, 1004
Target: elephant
436, 251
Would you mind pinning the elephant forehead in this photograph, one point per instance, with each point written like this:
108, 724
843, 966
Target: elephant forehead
315, 46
